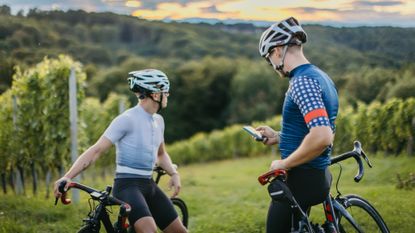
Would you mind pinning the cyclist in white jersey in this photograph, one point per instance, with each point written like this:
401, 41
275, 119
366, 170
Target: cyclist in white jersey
138, 135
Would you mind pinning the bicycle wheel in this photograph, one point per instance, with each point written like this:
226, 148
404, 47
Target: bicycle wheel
87, 229
181, 210
363, 218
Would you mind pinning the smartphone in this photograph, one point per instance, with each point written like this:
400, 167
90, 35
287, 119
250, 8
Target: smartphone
257, 135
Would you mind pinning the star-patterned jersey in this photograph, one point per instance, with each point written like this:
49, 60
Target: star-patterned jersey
311, 101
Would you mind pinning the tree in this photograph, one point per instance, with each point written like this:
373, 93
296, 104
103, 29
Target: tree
257, 93
6, 74
5, 10
7, 153
200, 93
42, 119
404, 87
369, 84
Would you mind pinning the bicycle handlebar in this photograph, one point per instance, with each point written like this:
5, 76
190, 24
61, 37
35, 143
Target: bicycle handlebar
356, 153
102, 196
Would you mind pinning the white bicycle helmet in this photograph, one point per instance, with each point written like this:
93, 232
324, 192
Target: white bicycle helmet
148, 81
288, 31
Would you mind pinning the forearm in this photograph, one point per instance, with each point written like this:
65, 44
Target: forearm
83, 162
165, 162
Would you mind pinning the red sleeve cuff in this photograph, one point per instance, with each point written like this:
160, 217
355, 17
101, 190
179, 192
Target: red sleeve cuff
320, 112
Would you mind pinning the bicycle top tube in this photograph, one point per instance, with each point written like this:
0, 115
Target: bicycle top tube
356, 153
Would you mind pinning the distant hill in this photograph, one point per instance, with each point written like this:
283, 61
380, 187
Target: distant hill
216, 73
107, 39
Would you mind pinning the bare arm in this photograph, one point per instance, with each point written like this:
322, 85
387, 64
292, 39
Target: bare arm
84, 161
165, 162
314, 143
88, 157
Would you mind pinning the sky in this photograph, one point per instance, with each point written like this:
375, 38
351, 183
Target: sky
400, 13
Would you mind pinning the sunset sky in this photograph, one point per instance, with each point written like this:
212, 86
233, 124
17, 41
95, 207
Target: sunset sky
329, 12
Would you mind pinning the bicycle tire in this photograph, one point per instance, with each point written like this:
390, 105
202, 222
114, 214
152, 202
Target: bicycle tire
181, 209
366, 218
86, 229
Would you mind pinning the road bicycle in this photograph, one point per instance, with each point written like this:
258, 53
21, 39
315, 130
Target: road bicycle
344, 214
101, 214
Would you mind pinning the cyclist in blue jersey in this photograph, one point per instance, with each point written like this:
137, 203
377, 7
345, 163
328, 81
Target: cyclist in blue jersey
138, 135
308, 122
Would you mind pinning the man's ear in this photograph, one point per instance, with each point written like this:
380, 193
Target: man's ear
279, 51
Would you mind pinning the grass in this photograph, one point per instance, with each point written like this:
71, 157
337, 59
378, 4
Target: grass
226, 197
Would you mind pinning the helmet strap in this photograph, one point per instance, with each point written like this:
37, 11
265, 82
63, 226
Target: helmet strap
158, 101
280, 68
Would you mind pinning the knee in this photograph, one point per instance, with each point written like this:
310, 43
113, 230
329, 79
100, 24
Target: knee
146, 230
175, 227
145, 225
177, 230
181, 229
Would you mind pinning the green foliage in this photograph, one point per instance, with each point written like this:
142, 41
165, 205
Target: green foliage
200, 94
231, 142
387, 127
405, 86
344, 124
257, 93
225, 196
6, 133
369, 84
42, 111
5, 10
217, 76
6, 73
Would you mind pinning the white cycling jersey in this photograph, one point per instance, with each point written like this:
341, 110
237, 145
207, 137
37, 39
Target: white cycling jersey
137, 136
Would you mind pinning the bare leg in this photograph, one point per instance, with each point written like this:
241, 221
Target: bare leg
145, 225
175, 227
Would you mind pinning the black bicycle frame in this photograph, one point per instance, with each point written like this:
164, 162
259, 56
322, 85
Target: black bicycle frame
331, 205
99, 214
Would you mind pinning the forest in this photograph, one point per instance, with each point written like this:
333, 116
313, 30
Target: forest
219, 83
217, 75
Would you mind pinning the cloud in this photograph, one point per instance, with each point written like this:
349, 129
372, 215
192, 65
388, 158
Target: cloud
117, 6
211, 9
153, 4
365, 12
310, 10
377, 3
351, 17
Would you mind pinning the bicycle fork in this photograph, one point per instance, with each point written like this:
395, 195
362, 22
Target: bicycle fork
342, 211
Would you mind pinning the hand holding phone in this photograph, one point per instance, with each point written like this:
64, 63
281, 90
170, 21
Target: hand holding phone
254, 133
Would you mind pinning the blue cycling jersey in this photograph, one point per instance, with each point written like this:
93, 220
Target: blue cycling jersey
311, 100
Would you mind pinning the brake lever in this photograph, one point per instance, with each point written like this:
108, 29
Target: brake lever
61, 189
366, 158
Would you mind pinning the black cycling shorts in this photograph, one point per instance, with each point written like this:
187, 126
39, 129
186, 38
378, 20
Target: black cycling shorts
145, 199
309, 187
